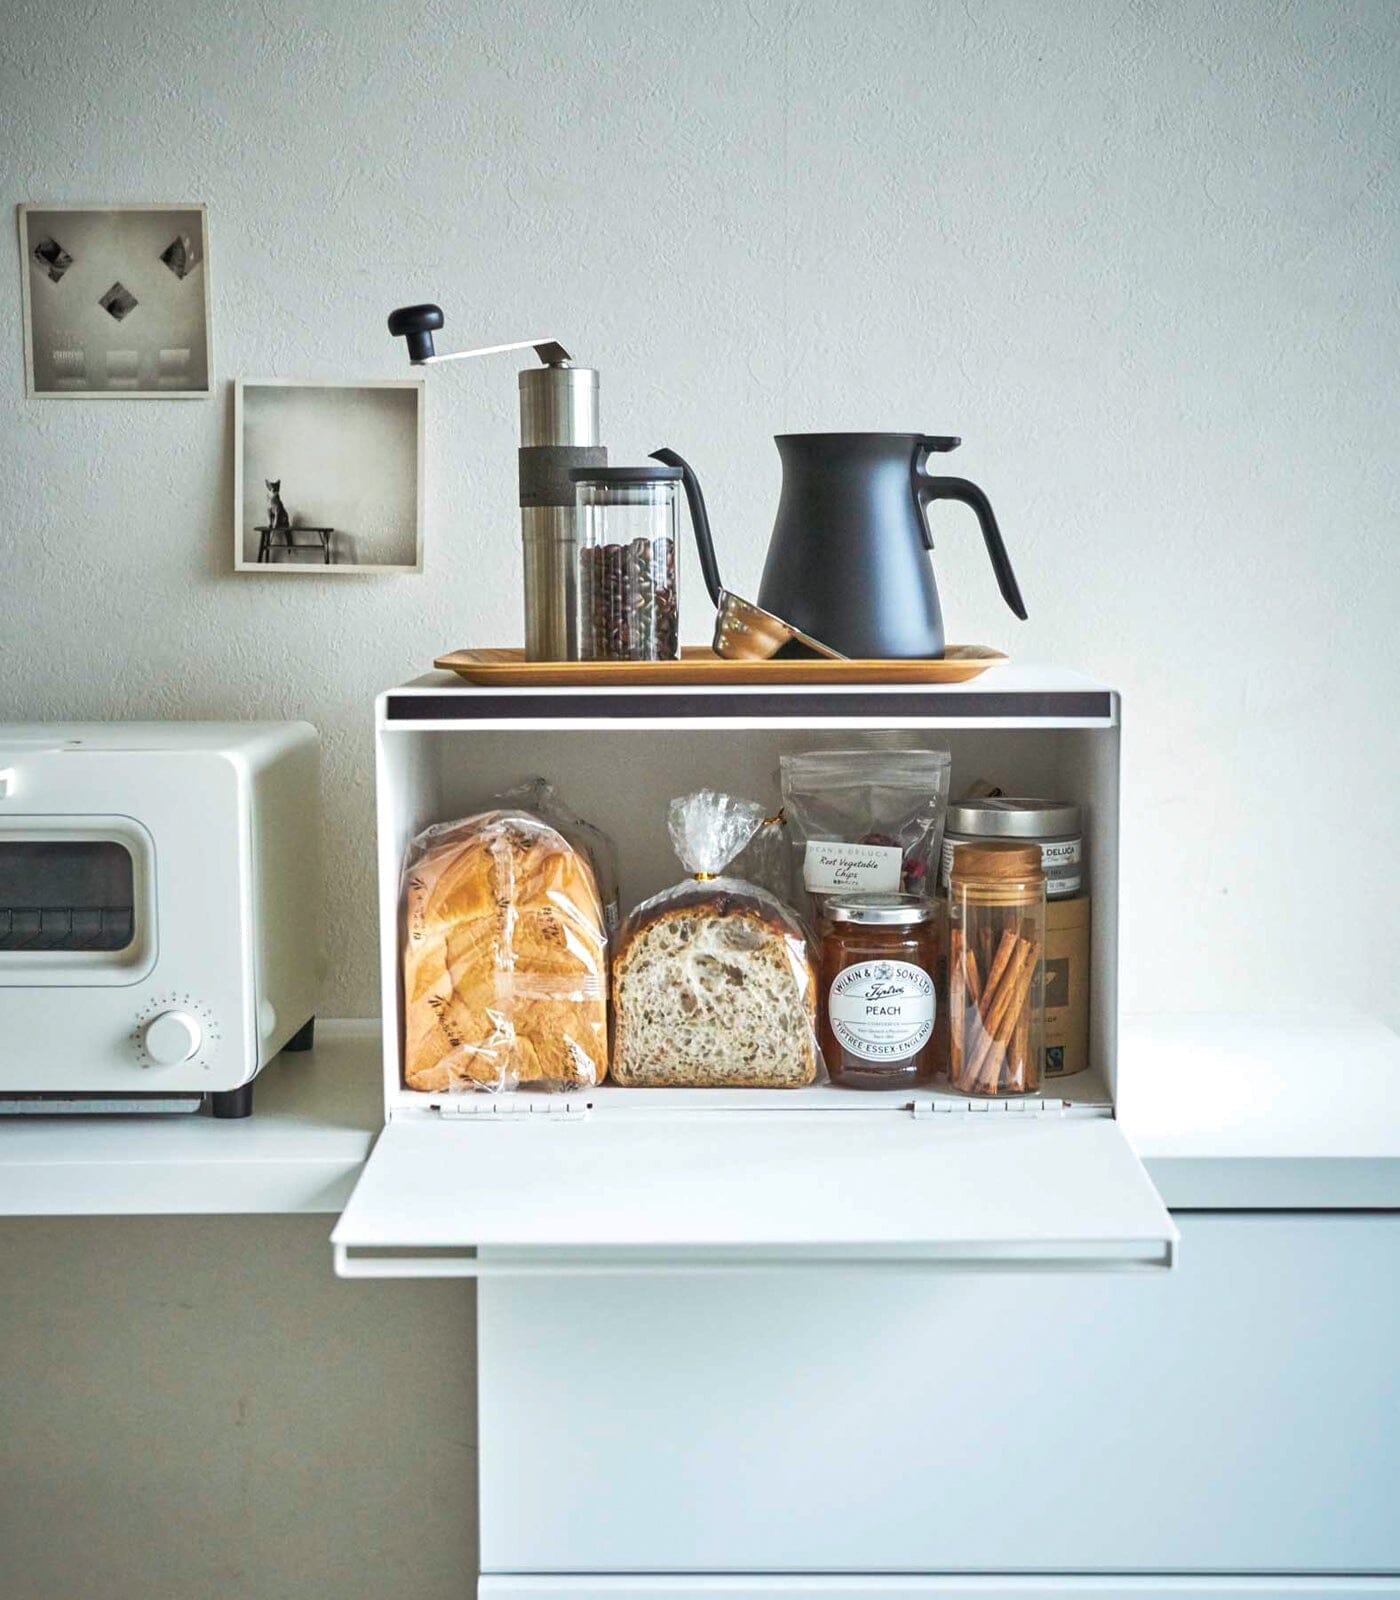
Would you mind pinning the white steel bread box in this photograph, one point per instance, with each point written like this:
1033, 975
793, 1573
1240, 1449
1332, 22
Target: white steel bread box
649, 1181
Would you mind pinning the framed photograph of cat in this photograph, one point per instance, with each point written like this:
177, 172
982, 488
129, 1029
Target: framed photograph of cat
328, 476
116, 302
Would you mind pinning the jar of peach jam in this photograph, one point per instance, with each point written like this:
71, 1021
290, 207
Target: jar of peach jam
878, 995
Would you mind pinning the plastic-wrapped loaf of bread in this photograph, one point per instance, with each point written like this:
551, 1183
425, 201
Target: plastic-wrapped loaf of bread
504, 958
766, 859
541, 799
713, 983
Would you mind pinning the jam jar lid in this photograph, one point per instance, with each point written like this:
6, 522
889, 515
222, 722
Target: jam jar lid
880, 910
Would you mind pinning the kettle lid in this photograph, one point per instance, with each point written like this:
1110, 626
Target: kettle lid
930, 441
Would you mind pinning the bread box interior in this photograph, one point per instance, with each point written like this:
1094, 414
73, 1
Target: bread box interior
620, 773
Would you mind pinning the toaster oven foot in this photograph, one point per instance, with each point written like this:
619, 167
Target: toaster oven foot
232, 1102
304, 1037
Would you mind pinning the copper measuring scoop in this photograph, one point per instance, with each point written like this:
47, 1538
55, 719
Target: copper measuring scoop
743, 630
746, 632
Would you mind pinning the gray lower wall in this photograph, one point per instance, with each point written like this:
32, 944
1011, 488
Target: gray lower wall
195, 1409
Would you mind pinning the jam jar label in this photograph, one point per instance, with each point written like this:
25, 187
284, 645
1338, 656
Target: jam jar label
881, 1010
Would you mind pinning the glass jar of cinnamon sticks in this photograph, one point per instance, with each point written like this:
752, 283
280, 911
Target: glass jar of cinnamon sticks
996, 941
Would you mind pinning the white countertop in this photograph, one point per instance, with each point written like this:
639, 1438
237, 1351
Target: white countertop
314, 1119
1227, 1113
1237, 1112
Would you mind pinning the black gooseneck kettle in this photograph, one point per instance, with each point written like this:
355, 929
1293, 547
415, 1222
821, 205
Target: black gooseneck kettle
848, 560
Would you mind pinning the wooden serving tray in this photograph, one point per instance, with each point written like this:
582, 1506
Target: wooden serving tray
508, 669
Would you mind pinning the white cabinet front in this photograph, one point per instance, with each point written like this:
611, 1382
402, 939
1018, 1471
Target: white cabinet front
1239, 1414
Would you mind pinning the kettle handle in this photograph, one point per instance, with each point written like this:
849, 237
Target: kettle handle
928, 488
699, 521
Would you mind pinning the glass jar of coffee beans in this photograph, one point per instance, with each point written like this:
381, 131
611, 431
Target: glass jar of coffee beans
626, 581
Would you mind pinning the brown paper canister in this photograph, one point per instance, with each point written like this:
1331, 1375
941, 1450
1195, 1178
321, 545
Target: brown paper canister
1066, 986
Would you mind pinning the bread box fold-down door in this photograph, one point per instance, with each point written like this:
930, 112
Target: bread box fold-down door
637, 1191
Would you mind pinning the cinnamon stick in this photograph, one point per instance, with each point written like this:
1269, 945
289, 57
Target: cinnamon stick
965, 1013
993, 993
955, 995
988, 1078
1005, 950
997, 1009
974, 980
1020, 1047
1012, 1000
975, 1040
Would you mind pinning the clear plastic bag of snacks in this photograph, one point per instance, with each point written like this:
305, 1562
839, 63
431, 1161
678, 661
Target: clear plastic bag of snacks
713, 981
504, 958
866, 820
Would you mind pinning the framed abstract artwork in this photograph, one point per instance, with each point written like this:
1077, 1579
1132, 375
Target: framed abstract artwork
116, 302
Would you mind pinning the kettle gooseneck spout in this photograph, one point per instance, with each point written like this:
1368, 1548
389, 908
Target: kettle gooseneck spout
699, 521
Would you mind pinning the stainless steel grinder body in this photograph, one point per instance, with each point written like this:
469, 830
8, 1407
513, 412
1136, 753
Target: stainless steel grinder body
558, 431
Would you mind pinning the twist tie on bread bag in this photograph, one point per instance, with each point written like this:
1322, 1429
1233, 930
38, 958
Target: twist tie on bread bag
708, 830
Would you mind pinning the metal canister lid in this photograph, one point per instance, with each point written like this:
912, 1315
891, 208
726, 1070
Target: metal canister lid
1002, 817
880, 910
999, 861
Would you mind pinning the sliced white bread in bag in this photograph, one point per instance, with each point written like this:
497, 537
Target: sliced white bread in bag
504, 959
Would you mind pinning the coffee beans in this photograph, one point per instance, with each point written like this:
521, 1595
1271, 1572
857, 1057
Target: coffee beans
627, 602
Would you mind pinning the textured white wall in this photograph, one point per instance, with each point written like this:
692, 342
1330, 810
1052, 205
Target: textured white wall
1141, 256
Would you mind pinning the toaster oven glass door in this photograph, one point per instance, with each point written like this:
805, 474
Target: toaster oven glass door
76, 901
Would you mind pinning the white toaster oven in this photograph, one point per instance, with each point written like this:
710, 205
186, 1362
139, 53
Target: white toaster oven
159, 911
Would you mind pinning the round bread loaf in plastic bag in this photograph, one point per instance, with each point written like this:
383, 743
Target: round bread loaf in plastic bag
713, 983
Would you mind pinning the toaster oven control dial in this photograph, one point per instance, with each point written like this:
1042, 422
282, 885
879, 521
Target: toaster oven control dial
171, 1037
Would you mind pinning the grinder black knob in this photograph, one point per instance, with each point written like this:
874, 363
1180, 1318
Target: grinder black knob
416, 324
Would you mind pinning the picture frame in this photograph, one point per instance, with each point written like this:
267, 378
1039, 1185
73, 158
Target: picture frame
348, 457
116, 301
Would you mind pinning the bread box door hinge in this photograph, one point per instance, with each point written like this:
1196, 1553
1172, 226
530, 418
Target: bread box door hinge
1035, 1106
514, 1108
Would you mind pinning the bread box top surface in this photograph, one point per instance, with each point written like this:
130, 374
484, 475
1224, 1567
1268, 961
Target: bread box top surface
1012, 695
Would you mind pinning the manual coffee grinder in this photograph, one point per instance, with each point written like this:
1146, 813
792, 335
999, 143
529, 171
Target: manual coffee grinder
558, 432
